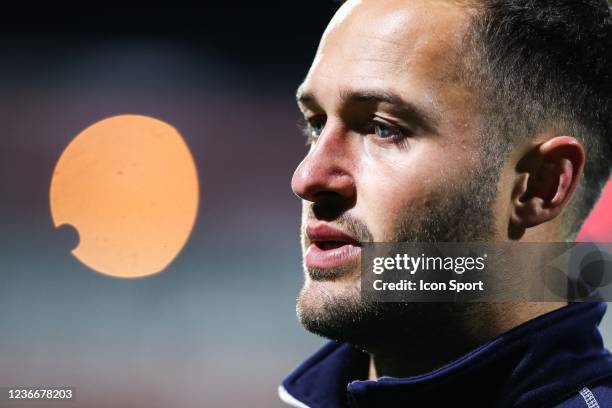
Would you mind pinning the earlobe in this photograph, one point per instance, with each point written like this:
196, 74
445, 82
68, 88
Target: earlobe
546, 184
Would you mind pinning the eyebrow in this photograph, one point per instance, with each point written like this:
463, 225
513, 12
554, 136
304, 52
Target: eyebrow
405, 108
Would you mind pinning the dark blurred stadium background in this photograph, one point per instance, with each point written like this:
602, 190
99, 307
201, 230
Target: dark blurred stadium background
218, 327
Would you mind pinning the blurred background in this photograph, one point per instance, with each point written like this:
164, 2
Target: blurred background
217, 328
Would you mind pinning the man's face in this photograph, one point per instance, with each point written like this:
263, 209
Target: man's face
394, 152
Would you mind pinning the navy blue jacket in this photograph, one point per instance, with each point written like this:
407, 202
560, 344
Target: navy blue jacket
556, 360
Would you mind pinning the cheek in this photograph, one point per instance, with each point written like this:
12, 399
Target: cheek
402, 184
383, 200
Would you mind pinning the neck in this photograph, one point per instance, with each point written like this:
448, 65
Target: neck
449, 339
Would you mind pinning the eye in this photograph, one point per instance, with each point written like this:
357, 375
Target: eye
316, 126
385, 131
313, 128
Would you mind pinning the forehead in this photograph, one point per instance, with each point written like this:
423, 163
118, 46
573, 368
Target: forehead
407, 45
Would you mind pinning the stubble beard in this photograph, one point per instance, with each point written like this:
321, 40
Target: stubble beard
465, 215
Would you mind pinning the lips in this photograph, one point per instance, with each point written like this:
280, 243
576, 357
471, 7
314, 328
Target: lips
330, 248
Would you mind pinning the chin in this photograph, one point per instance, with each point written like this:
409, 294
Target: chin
317, 297
323, 289
333, 310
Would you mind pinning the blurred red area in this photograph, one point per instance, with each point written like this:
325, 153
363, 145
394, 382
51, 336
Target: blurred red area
598, 227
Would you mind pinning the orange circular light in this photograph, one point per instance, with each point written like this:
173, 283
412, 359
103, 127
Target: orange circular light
128, 184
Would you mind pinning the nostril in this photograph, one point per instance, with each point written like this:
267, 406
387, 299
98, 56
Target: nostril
323, 174
329, 206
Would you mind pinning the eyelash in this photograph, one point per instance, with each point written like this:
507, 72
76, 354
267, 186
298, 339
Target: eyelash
308, 126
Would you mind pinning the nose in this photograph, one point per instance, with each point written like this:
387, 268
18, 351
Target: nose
326, 175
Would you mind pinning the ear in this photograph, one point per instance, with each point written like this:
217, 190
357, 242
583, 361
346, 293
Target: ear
547, 182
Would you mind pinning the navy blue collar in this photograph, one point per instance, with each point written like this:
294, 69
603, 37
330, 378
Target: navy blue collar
537, 364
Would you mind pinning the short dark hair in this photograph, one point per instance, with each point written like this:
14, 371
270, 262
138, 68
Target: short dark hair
546, 65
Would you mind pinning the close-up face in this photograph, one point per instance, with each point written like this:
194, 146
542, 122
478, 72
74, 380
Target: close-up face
394, 145
449, 219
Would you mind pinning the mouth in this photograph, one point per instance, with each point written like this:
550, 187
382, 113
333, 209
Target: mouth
330, 248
